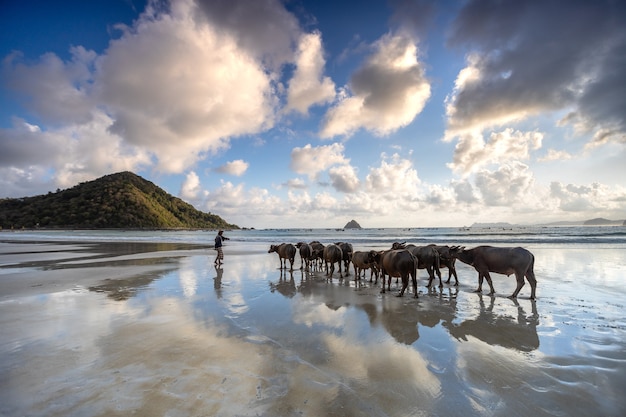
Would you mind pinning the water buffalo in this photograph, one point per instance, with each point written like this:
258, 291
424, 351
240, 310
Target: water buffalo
396, 263
332, 254
346, 249
285, 251
306, 254
428, 258
318, 252
486, 259
361, 262
446, 260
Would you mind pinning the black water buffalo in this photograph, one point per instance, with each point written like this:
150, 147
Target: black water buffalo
306, 254
332, 254
361, 261
396, 263
486, 259
446, 260
346, 249
285, 251
428, 258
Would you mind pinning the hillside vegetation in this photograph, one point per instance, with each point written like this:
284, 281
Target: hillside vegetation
123, 200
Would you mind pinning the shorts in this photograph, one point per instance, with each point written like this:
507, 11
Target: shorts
220, 253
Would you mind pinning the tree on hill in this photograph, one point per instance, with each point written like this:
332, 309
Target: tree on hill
122, 200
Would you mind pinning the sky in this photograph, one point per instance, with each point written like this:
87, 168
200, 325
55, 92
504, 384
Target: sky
309, 113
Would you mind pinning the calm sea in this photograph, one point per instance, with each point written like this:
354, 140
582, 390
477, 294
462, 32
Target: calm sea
613, 236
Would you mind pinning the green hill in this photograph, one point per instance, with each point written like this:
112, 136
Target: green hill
117, 201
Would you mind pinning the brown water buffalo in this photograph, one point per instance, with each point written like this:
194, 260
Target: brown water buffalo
361, 262
346, 249
332, 254
306, 254
396, 263
318, 253
446, 260
486, 259
428, 258
285, 251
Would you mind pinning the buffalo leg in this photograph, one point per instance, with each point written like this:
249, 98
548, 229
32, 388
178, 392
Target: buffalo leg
488, 278
453, 272
480, 283
530, 276
405, 284
431, 276
519, 277
438, 271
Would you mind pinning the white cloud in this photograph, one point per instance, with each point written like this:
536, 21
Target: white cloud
385, 94
396, 178
237, 168
64, 156
472, 152
58, 92
510, 185
464, 192
555, 155
170, 90
597, 198
343, 178
311, 160
307, 86
190, 189
176, 86
296, 183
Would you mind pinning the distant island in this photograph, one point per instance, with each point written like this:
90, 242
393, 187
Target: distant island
118, 201
352, 224
499, 225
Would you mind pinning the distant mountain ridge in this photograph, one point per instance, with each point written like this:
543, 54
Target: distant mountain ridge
118, 201
591, 222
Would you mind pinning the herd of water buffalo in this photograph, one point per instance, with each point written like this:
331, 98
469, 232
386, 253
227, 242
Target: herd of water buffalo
403, 260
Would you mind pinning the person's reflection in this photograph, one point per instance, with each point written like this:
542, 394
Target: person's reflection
217, 281
515, 333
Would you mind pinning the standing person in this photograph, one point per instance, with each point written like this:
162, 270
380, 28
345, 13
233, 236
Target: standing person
218, 247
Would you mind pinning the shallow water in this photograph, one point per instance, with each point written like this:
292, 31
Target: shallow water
181, 337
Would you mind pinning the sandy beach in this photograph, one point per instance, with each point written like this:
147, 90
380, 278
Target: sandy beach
155, 329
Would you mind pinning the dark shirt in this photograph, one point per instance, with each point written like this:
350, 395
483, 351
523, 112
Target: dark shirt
218, 241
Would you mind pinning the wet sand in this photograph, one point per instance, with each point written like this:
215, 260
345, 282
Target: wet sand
107, 329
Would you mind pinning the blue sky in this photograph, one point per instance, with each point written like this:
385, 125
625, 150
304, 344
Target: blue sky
311, 113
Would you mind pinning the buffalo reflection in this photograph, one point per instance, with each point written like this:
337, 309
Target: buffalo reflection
437, 307
518, 333
285, 286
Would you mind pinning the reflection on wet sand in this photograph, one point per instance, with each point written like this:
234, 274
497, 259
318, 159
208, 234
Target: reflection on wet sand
182, 337
518, 333
285, 284
217, 281
402, 319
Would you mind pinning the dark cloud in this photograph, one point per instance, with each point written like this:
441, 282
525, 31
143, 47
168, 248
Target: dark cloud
414, 15
263, 27
532, 56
